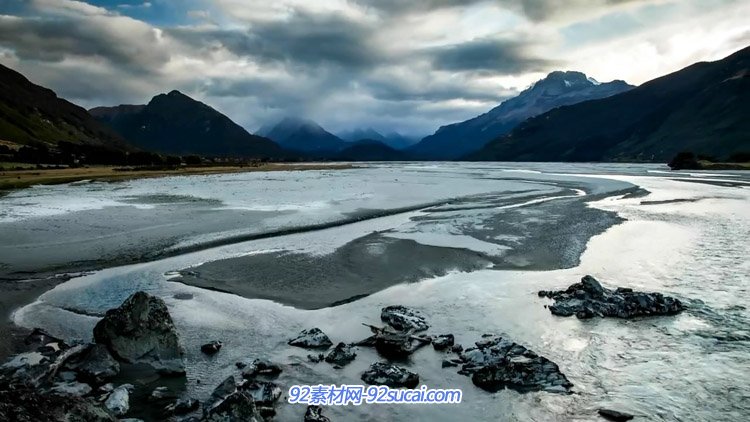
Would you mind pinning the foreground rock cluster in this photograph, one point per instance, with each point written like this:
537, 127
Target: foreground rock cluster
494, 363
589, 299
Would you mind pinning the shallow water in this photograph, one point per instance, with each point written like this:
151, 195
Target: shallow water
532, 224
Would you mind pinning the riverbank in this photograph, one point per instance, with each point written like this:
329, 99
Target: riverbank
18, 179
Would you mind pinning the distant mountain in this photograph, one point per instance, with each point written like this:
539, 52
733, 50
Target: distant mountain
703, 108
393, 139
370, 150
33, 115
303, 135
177, 124
557, 89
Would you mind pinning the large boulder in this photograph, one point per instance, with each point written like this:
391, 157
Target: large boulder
313, 338
237, 407
403, 318
589, 299
496, 363
141, 331
383, 373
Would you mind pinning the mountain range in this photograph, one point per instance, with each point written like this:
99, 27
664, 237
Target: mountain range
703, 108
34, 115
557, 89
393, 139
174, 123
303, 135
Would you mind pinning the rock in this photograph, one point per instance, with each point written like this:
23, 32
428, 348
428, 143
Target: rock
211, 348
182, 407
221, 392
24, 402
442, 341
316, 358
261, 367
614, 415
447, 363
141, 331
398, 345
313, 338
237, 407
588, 299
240, 365
71, 389
383, 373
315, 414
403, 318
97, 365
457, 348
162, 394
341, 354
496, 363
264, 393
118, 401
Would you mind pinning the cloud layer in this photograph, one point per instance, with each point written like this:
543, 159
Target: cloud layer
409, 66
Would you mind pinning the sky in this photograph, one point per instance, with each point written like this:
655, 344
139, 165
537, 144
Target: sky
394, 65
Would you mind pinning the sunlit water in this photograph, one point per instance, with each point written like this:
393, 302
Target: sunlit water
693, 366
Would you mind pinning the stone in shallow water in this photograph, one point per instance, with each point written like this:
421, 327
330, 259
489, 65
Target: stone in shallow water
182, 407
615, 415
383, 373
313, 338
589, 299
212, 348
342, 354
264, 393
238, 407
315, 414
261, 367
496, 363
141, 331
403, 318
71, 389
442, 341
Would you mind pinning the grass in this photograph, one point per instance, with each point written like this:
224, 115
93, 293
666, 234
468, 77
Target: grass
18, 179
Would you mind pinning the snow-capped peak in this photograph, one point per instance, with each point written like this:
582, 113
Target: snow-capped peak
593, 81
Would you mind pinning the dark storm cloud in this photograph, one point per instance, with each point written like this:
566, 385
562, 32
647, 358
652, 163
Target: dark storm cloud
303, 38
131, 45
488, 54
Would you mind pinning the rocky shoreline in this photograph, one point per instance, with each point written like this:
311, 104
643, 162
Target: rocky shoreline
58, 380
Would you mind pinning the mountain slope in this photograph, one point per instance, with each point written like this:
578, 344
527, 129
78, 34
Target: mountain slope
370, 150
31, 114
303, 135
557, 89
704, 108
177, 124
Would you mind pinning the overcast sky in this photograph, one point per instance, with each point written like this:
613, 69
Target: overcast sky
405, 65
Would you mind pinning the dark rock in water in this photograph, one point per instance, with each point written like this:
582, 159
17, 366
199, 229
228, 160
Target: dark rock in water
264, 393
315, 414
403, 318
442, 341
398, 345
614, 415
313, 338
316, 358
457, 348
588, 299
97, 365
182, 407
221, 392
261, 367
141, 331
496, 363
447, 363
341, 354
212, 348
368, 342
240, 365
383, 373
45, 343
237, 407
